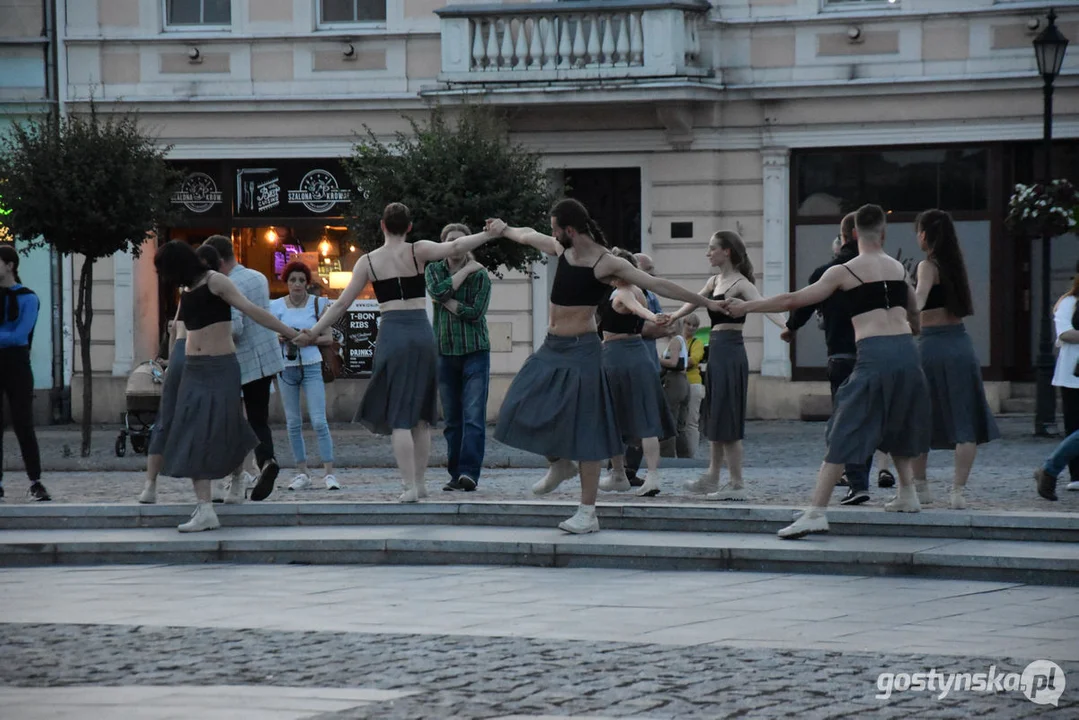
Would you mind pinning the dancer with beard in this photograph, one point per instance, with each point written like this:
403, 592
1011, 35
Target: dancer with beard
559, 404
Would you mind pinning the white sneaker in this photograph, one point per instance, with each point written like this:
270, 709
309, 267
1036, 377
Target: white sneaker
615, 482
904, 501
583, 522
331, 483
925, 496
650, 487
558, 473
1073, 485
703, 485
300, 482
409, 496
220, 490
957, 501
204, 518
727, 492
812, 521
148, 496
236, 491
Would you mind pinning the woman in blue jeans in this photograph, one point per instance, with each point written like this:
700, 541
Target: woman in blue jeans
303, 371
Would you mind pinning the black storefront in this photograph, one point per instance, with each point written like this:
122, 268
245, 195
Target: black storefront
276, 212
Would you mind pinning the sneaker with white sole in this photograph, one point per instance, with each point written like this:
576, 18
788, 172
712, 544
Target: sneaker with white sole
925, 495
905, 501
300, 482
650, 487
1073, 485
615, 482
237, 491
331, 483
583, 522
703, 485
811, 521
204, 518
558, 473
957, 501
727, 492
148, 496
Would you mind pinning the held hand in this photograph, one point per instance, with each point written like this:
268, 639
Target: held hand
304, 339
734, 307
662, 319
495, 227
787, 335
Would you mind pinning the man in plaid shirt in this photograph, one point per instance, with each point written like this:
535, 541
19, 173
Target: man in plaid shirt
461, 290
259, 354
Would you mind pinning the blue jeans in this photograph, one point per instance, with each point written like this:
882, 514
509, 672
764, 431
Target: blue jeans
1065, 452
463, 381
309, 379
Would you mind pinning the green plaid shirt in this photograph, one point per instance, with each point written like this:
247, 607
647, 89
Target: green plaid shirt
465, 332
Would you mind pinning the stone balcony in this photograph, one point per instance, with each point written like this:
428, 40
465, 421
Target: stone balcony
573, 44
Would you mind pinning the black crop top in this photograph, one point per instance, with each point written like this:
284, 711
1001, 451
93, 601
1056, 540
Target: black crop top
399, 288
201, 308
722, 318
577, 286
935, 299
879, 295
612, 321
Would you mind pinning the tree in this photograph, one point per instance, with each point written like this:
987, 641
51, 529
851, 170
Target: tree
85, 185
463, 173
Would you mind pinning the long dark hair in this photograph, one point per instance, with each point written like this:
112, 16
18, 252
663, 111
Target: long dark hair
943, 246
730, 240
178, 264
570, 213
10, 255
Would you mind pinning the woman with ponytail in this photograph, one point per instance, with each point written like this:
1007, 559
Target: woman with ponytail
723, 417
18, 315
961, 416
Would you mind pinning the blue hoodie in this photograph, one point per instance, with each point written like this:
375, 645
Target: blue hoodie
18, 316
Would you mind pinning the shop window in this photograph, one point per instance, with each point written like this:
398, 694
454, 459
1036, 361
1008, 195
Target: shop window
330, 251
198, 12
341, 12
831, 184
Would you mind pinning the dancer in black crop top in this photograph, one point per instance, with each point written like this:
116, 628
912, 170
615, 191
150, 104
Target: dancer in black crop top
884, 404
961, 418
402, 397
559, 404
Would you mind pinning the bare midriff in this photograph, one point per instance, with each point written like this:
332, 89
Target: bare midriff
938, 317
213, 339
611, 337
881, 323
572, 321
419, 303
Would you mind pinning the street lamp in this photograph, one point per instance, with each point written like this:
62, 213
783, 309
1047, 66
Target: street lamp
1049, 49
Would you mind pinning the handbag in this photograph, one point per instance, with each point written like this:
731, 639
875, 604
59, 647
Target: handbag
333, 366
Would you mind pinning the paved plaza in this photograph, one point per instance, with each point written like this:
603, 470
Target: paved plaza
227, 641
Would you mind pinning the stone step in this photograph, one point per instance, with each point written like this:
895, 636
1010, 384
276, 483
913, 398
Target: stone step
764, 519
1017, 406
1039, 563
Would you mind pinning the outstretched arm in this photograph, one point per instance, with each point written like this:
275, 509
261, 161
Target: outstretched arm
428, 251
706, 292
749, 291
630, 302
817, 292
611, 265
527, 236
222, 287
334, 312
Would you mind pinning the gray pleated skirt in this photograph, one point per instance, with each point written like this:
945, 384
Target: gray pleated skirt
208, 436
723, 416
167, 406
403, 391
883, 405
640, 405
559, 405
961, 413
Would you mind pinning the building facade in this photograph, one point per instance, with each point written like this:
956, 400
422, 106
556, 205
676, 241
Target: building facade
670, 119
28, 89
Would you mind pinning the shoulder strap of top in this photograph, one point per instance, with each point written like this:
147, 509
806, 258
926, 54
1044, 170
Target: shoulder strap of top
601, 256
844, 266
371, 267
414, 263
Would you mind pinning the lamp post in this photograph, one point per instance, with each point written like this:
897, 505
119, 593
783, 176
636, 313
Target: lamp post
1049, 49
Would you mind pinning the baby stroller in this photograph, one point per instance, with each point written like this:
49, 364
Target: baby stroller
143, 397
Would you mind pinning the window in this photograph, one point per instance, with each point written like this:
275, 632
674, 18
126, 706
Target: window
198, 12
352, 11
854, 4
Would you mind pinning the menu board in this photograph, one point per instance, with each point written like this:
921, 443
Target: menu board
357, 331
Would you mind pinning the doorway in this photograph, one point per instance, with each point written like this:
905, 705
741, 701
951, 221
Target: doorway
613, 199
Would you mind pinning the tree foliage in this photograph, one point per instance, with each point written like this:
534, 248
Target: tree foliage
85, 185
445, 172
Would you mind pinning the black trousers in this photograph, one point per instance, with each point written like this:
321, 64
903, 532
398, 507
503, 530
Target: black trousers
839, 369
17, 384
1069, 398
257, 405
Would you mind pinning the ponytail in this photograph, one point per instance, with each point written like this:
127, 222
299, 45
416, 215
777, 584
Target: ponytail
570, 213
595, 231
732, 241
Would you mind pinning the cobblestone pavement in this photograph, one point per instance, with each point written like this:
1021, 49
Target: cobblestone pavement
781, 463
300, 627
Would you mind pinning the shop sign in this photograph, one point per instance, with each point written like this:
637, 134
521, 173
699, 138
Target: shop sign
198, 193
357, 331
291, 189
